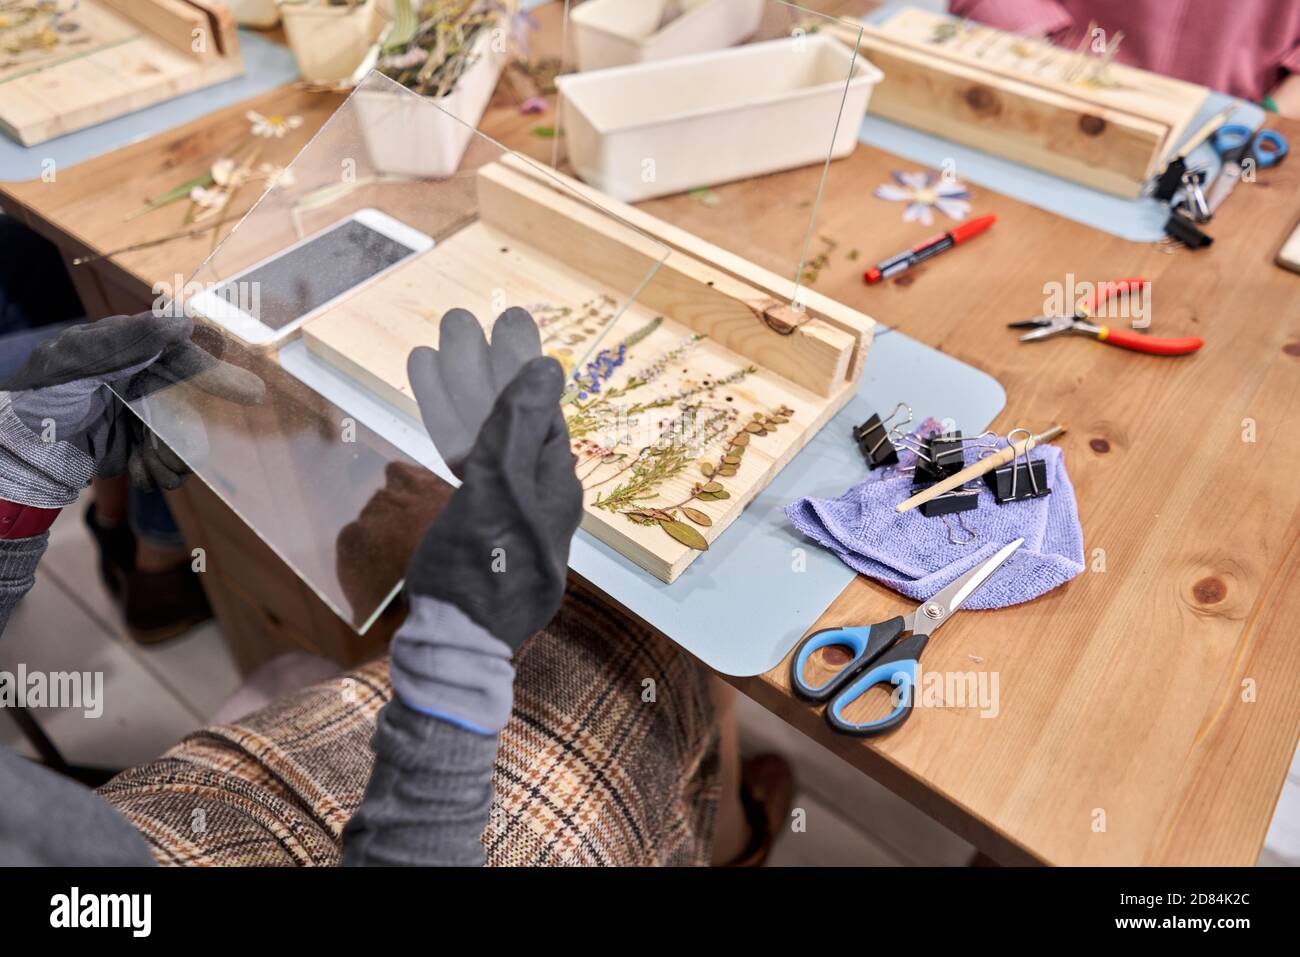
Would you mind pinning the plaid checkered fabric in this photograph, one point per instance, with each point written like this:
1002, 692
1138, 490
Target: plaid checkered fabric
610, 758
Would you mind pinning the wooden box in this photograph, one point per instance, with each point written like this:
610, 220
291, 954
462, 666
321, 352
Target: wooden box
610, 33
713, 337
1042, 106
123, 56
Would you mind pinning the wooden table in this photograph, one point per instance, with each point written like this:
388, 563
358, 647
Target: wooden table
1148, 709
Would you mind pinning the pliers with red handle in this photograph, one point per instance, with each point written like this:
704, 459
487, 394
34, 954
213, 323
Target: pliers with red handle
1045, 326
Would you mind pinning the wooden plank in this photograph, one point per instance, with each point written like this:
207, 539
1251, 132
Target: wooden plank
1108, 137
1130, 90
818, 307
221, 22
1044, 130
98, 29
182, 27
140, 68
694, 293
72, 95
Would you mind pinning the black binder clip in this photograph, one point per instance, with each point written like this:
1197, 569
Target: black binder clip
1021, 478
1171, 179
875, 437
941, 455
964, 498
1179, 227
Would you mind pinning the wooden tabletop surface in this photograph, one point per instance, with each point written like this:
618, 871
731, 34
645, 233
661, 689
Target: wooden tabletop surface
1148, 710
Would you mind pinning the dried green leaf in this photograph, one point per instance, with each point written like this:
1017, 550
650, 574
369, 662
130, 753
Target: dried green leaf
754, 427
727, 471
686, 535
741, 439
731, 459
696, 516
707, 469
712, 487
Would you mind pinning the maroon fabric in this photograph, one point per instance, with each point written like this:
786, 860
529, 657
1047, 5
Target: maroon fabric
25, 521
1242, 47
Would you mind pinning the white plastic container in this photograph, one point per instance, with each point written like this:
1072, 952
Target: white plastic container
610, 33
654, 129
329, 42
262, 14
407, 137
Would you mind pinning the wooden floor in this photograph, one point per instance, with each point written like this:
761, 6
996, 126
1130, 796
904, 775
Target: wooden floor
155, 695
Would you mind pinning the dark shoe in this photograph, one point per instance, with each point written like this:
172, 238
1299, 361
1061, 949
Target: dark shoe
767, 792
162, 605
116, 552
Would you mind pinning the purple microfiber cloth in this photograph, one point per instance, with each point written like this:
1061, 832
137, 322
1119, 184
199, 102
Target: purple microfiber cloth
913, 554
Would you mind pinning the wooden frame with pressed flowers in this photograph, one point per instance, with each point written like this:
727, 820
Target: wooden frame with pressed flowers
703, 387
76, 63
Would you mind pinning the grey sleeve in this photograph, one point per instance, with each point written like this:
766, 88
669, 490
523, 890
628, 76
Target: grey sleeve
429, 795
18, 560
47, 819
38, 473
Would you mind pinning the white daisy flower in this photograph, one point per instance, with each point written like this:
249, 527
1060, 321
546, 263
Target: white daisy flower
209, 198
273, 126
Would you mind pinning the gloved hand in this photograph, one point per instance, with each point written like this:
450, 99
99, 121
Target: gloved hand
62, 393
499, 551
457, 383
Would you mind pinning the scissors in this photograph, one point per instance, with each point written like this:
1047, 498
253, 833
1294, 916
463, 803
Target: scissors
1239, 145
881, 655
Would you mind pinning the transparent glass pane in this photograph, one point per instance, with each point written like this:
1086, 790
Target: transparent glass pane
702, 111
394, 213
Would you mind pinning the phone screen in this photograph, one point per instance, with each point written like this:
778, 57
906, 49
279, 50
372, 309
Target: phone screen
321, 269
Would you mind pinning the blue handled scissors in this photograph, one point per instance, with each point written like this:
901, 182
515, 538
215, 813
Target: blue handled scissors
881, 655
1237, 146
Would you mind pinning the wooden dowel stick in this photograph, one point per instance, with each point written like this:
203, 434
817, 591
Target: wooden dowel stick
979, 468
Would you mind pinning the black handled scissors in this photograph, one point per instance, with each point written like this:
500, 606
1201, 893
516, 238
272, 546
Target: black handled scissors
881, 655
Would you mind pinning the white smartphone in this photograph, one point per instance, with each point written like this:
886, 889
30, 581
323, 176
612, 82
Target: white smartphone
269, 300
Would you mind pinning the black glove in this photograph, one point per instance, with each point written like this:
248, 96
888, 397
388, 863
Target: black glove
499, 551
64, 387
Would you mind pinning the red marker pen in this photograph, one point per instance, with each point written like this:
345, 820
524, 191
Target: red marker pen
931, 247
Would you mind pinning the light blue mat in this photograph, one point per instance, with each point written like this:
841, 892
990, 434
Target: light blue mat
741, 605
1141, 220
266, 66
